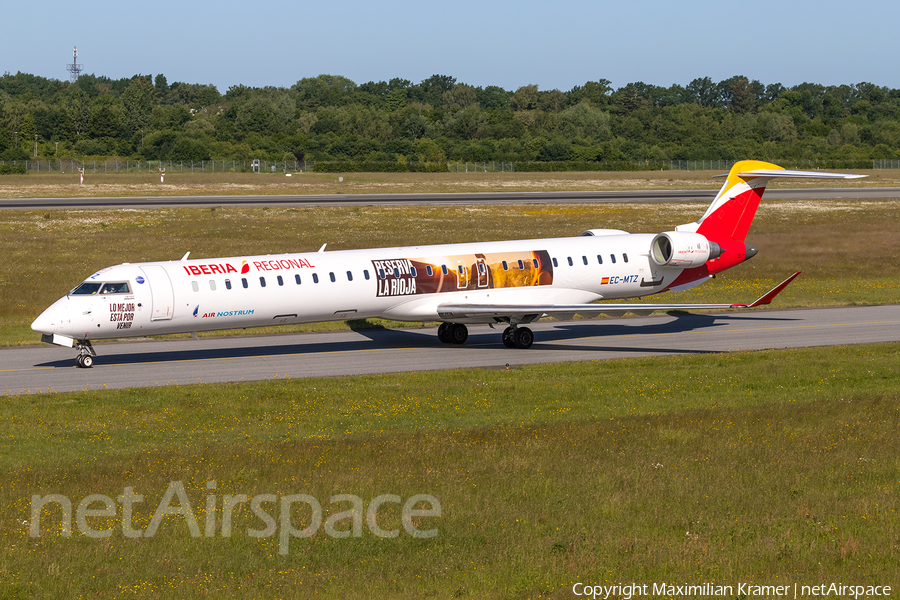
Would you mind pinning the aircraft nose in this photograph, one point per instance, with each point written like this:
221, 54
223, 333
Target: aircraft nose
51, 320
45, 323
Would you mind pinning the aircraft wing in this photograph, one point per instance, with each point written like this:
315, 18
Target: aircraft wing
526, 313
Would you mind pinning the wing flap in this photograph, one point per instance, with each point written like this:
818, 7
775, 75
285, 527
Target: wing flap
526, 313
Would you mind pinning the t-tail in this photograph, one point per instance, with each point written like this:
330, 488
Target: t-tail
727, 220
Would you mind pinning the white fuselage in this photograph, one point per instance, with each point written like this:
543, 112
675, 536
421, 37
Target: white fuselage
407, 283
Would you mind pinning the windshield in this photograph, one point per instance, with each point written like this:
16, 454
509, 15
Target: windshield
115, 288
90, 287
87, 288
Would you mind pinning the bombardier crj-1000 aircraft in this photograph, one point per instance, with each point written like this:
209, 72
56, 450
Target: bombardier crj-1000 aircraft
511, 283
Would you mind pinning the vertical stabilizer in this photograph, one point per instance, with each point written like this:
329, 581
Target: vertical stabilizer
727, 220
730, 214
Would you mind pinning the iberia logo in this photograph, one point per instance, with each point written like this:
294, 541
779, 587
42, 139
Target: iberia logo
245, 267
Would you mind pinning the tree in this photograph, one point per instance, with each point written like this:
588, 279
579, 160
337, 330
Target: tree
552, 101
460, 96
704, 92
743, 100
161, 86
595, 92
137, 100
525, 98
431, 91
324, 90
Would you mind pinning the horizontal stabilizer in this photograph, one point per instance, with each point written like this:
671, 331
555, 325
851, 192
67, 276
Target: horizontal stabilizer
802, 174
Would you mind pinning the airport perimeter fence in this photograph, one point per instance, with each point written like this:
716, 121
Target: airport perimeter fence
94, 167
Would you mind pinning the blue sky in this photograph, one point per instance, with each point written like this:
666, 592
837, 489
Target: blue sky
487, 42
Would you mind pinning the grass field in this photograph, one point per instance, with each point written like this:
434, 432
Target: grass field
774, 467
847, 249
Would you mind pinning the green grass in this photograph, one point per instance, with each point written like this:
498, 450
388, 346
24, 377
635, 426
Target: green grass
764, 467
846, 248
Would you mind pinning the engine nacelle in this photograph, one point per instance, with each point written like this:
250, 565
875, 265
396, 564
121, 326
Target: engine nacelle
682, 249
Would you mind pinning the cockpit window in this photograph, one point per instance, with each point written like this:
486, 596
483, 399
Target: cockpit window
115, 288
87, 288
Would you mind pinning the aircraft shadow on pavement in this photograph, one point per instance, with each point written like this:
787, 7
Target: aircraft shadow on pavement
385, 339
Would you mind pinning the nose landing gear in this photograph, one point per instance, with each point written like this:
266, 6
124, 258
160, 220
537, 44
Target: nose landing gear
86, 354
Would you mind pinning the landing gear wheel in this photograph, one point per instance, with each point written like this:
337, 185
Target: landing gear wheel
87, 361
509, 337
524, 338
444, 333
459, 333
78, 362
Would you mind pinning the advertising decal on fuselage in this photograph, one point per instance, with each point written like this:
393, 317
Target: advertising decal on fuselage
439, 274
259, 265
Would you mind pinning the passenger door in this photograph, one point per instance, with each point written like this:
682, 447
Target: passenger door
163, 302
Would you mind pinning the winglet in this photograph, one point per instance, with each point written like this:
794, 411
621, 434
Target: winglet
770, 295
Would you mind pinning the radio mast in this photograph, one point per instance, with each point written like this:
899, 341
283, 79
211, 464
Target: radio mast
74, 69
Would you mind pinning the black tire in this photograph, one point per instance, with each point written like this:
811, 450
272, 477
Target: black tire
459, 333
524, 338
78, 362
509, 337
444, 333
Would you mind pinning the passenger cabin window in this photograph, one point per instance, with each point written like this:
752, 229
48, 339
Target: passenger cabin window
396, 273
584, 259
366, 274
262, 282
331, 276
460, 270
612, 257
381, 273
227, 284
212, 284
349, 276
413, 272
481, 268
315, 278
535, 262
195, 286
86, 289
505, 266
444, 269
429, 270
521, 265
624, 257
599, 260
244, 282
555, 263
570, 261
280, 280
297, 278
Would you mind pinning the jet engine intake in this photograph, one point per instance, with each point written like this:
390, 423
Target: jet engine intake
682, 249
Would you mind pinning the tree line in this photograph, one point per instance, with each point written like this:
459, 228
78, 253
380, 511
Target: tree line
331, 118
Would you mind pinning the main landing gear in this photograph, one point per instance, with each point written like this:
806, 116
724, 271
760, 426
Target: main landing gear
513, 336
518, 337
86, 354
453, 333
